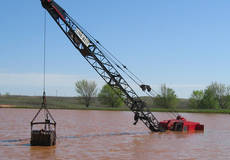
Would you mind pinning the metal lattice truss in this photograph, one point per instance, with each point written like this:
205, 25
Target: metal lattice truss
97, 59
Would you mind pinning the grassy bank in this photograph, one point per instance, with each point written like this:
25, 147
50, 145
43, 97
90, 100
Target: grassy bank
223, 111
34, 102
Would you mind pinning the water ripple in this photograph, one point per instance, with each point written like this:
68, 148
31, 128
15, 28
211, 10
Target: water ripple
11, 142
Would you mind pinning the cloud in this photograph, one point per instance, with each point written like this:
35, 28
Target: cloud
32, 83
63, 84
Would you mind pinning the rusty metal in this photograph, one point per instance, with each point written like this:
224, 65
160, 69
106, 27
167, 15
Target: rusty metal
46, 135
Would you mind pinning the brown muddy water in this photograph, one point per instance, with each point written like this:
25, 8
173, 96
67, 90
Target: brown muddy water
108, 135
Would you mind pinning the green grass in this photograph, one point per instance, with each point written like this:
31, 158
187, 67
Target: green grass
225, 111
74, 103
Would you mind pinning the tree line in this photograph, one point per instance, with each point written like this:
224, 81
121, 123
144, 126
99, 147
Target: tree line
107, 96
113, 97
214, 96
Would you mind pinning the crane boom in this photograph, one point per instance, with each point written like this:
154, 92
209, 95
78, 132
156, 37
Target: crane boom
90, 50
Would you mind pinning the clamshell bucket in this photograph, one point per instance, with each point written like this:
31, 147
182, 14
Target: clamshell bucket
43, 133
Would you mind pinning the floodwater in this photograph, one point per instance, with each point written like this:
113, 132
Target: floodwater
108, 135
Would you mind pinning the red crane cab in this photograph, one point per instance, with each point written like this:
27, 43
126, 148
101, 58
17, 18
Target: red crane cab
181, 124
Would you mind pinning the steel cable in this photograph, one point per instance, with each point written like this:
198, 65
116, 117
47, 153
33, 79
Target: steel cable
114, 60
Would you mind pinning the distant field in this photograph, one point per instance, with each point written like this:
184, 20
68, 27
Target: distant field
52, 102
75, 103
35, 102
64, 102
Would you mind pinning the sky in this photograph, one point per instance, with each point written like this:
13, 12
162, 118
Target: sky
181, 43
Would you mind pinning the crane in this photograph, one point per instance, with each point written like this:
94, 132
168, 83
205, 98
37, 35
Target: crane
90, 49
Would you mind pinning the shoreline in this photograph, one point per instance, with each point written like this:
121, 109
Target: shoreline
219, 111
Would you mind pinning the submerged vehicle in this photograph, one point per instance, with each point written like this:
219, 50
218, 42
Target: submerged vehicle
181, 124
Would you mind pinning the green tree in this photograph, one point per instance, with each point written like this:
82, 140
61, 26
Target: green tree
166, 98
109, 96
226, 102
87, 90
220, 93
7, 94
215, 96
196, 99
209, 100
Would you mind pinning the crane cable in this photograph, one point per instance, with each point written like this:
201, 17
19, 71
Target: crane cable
113, 59
151, 93
125, 67
44, 55
44, 70
110, 56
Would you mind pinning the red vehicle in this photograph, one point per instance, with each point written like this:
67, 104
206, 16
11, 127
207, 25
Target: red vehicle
181, 124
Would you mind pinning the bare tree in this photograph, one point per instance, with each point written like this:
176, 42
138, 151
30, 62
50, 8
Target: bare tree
87, 90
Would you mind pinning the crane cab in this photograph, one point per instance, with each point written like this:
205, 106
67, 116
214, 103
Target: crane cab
181, 124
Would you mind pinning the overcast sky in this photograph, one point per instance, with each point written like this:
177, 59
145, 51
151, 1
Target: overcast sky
182, 43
